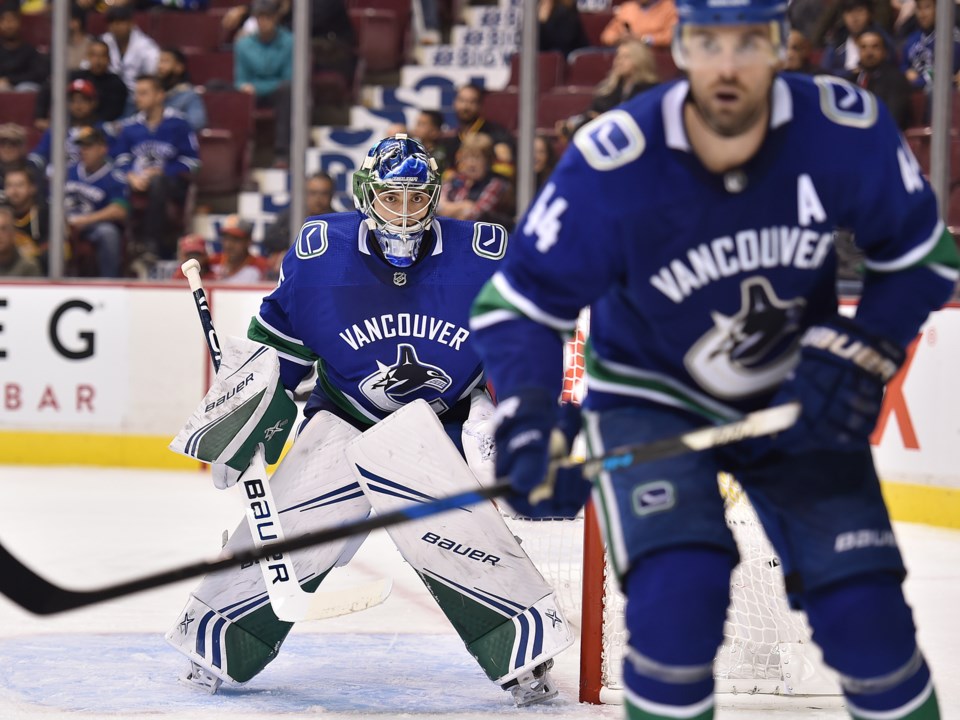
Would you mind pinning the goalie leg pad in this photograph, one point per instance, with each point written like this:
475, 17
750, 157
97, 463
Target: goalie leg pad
313, 487
488, 588
865, 629
676, 606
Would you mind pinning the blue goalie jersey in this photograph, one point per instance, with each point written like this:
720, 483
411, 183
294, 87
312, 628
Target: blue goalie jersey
380, 336
700, 284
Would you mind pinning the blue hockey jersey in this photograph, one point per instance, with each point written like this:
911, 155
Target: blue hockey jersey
700, 284
380, 336
171, 146
86, 193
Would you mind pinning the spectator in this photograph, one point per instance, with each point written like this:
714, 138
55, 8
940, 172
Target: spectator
111, 90
841, 56
334, 39
878, 74
633, 71
917, 64
188, 5
82, 109
158, 152
193, 247
467, 106
651, 22
132, 52
12, 262
473, 192
22, 68
13, 150
560, 26
278, 237
428, 129
805, 16
544, 159
180, 92
78, 39
263, 67
30, 215
97, 202
799, 55
235, 264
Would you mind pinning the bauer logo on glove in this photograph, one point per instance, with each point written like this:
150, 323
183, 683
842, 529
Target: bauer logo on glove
246, 406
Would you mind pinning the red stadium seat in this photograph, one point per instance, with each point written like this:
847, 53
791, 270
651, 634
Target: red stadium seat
666, 68
18, 107
379, 39
589, 66
210, 65
555, 106
551, 68
36, 30
184, 30
594, 23
218, 162
233, 110
503, 107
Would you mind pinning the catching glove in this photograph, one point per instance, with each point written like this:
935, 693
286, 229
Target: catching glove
531, 431
839, 382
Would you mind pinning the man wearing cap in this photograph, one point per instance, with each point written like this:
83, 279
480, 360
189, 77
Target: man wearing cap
234, 264
82, 107
193, 247
21, 66
132, 52
96, 203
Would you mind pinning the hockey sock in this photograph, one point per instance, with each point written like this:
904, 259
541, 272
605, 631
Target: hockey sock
676, 606
865, 629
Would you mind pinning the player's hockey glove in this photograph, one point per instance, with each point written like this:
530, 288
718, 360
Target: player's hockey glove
839, 382
532, 430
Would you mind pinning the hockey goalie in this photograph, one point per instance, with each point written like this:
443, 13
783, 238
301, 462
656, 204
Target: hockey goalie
378, 302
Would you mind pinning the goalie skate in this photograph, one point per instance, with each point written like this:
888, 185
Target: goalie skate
533, 687
200, 678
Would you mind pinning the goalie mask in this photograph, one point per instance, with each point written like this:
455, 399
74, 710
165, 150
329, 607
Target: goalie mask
398, 188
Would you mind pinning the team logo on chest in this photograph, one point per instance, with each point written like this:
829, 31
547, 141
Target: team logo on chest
391, 387
749, 352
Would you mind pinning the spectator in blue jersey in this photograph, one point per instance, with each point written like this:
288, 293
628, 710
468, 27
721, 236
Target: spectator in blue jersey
96, 205
881, 76
917, 62
682, 236
22, 68
82, 110
841, 56
157, 151
180, 92
132, 51
263, 67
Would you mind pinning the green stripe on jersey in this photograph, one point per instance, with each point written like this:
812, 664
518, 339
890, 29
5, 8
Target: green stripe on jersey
944, 253
635, 713
261, 334
491, 300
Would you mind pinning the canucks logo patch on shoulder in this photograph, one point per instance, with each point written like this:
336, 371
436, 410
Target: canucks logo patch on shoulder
489, 240
610, 140
749, 352
845, 103
391, 387
312, 240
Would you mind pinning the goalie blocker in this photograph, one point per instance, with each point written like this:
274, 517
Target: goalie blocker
495, 598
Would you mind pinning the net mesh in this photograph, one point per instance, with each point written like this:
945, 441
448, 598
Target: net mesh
762, 634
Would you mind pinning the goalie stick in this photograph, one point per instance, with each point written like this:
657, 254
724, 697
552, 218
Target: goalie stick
38, 595
289, 601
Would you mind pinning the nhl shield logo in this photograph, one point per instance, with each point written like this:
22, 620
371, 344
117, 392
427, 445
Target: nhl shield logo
391, 387
752, 351
399, 279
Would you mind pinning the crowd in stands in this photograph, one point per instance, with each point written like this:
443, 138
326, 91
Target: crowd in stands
135, 114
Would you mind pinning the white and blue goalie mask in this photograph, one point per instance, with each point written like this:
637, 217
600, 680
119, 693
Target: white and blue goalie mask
397, 188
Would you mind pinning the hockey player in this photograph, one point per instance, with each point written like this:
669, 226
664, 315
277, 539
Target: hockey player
378, 302
696, 221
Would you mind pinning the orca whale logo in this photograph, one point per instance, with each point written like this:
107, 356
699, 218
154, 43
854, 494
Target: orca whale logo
751, 351
391, 387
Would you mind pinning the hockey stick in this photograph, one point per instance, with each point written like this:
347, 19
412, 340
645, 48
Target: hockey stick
34, 593
289, 601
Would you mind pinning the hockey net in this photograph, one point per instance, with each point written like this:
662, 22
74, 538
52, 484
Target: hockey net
766, 647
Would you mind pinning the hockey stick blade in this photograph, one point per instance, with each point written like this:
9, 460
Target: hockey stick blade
37, 595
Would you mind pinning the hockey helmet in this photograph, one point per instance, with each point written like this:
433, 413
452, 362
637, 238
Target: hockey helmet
397, 188
730, 12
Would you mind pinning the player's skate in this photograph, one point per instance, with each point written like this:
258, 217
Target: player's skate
200, 678
533, 687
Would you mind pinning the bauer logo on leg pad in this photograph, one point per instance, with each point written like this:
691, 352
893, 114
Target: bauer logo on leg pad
654, 497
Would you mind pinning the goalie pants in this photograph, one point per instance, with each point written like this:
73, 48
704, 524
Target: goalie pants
822, 511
